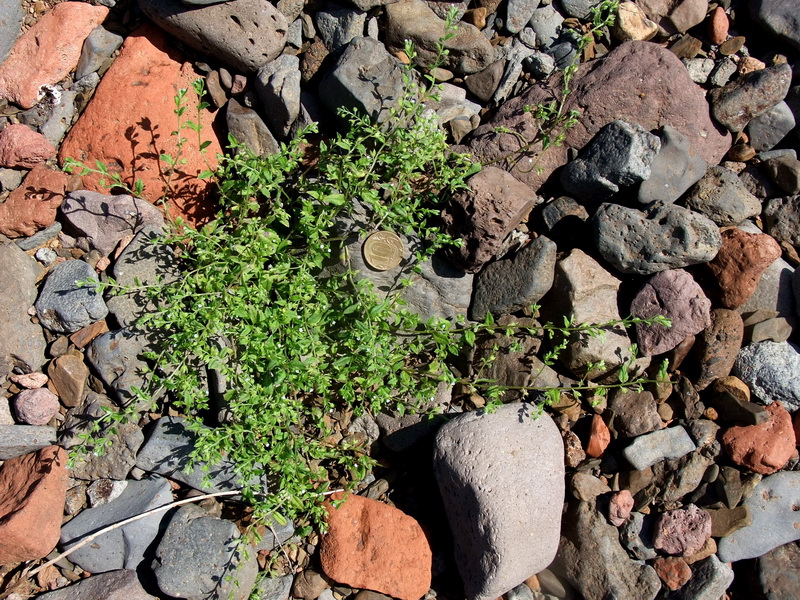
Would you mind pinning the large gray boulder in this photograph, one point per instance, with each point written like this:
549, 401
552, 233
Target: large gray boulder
501, 476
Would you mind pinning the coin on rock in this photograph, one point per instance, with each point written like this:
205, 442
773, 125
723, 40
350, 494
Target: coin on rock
383, 250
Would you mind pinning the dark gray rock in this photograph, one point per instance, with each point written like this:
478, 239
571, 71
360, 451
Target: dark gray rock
661, 237
244, 34
478, 453
674, 170
747, 97
117, 459
782, 219
774, 290
114, 585
337, 25
278, 88
509, 285
619, 156
784, 171
365, 78
97, 49
249, 129
200, 558
768, 368
484, 83
646, 450
276, 534
94, 221
594, 561
11, 14
146, 261
637, 537
55, 128
16, 440
779, 18
117, 358
710, 578
770, 127
22, 344
779, 573
64, 305
722, 197
124, 547
518, 13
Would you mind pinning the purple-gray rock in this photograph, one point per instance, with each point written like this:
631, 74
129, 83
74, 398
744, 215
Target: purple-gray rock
500, 539
770, 371
655, 239
619, 156
779, 18
782, 219
745, 98
675, 295
674, 170
117, 357
717, 346
114, 585
722, 197
770, 127
683, 531
36, 406
646, 450
64, 304
779, 572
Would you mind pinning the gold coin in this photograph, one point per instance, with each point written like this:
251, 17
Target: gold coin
383, 250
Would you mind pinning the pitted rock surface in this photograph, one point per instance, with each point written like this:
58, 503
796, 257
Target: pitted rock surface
768, 368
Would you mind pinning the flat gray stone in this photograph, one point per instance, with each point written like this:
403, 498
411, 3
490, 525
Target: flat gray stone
782, 219
722, 197
65, 306
248, 129
646, 450
770, 127
546, 23
274, 588
674, 169
278, 87
64, 112
501, 538
11, 14
114, 585
124, 547
770, 371
16, 440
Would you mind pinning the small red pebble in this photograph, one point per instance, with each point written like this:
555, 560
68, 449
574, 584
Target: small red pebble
718, 25
599, 437
673, 571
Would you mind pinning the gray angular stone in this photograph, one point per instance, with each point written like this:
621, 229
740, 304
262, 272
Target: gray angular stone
774, 291
500, 539
248, 129
144, 262
97, 49
674, 170
546, 23
200, 558
244, 34
637, 537
39, 238
117, 358
769, 369
11, 14
745, 98
114, 585
16, 440
779, 18
518, 13
580, 9
274, 588
509, 285
782, 219
775, 520
118, 458
769, 128
659, 238
124, 547
722, 197
646, 450
278, 88
619, 156
99, 221
55, 128
699, 68
710, 578
365, 78
65, 306
22, 344
337, 25
595, 563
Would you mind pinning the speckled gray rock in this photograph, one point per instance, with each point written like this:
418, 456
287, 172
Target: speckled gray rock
244, 34
99, 221
647, 450
63, 305
248, 129
770, 127
770, 371
114, 585
118, 459
637, 536
10, 24
124, 547
710, 578
750, 95
97, 48
16, 440
337, 25
518, 13
619, 156
782, 219
500, 539
594, 561
546, 22
779, 572
779, 18
722, 197
199, 558
22, 344
775, 522
274, 588
278, 88
656, 239
117, 358
674, 170
509, 285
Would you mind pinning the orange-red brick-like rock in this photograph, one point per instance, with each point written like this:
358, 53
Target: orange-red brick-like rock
33, 489
21, 146
48, 51
377, 547
33, 205
763, 448
673, 571
129, 122
718, 26
599, 437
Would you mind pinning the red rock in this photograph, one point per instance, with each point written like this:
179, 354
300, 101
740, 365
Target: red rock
33, 489
673, 571
763, 448
619, 507
33, 205
128, 123
21, 146
48, 51
377, 547
36, 407
599, 437
682, 531
741, 261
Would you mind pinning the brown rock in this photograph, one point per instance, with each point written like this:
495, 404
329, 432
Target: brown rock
33, 205
748, 64
48, 51
573, 452
687, 46
21, 146
734, 386
718, 345
84, 337
732, 46
374, 546
741, 261
633, 413
764, 448
68, 375
309, 584
673, 571
33, 489
599, 437
725, 521
796, 427
36, 406
718, 25
620, 506
619, 86
709, 548
128, 122
682, 531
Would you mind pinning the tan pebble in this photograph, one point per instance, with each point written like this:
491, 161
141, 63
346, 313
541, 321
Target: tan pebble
633, 24
732, 46
748, 64
533, 583
740, 153
476, 17
711, 413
